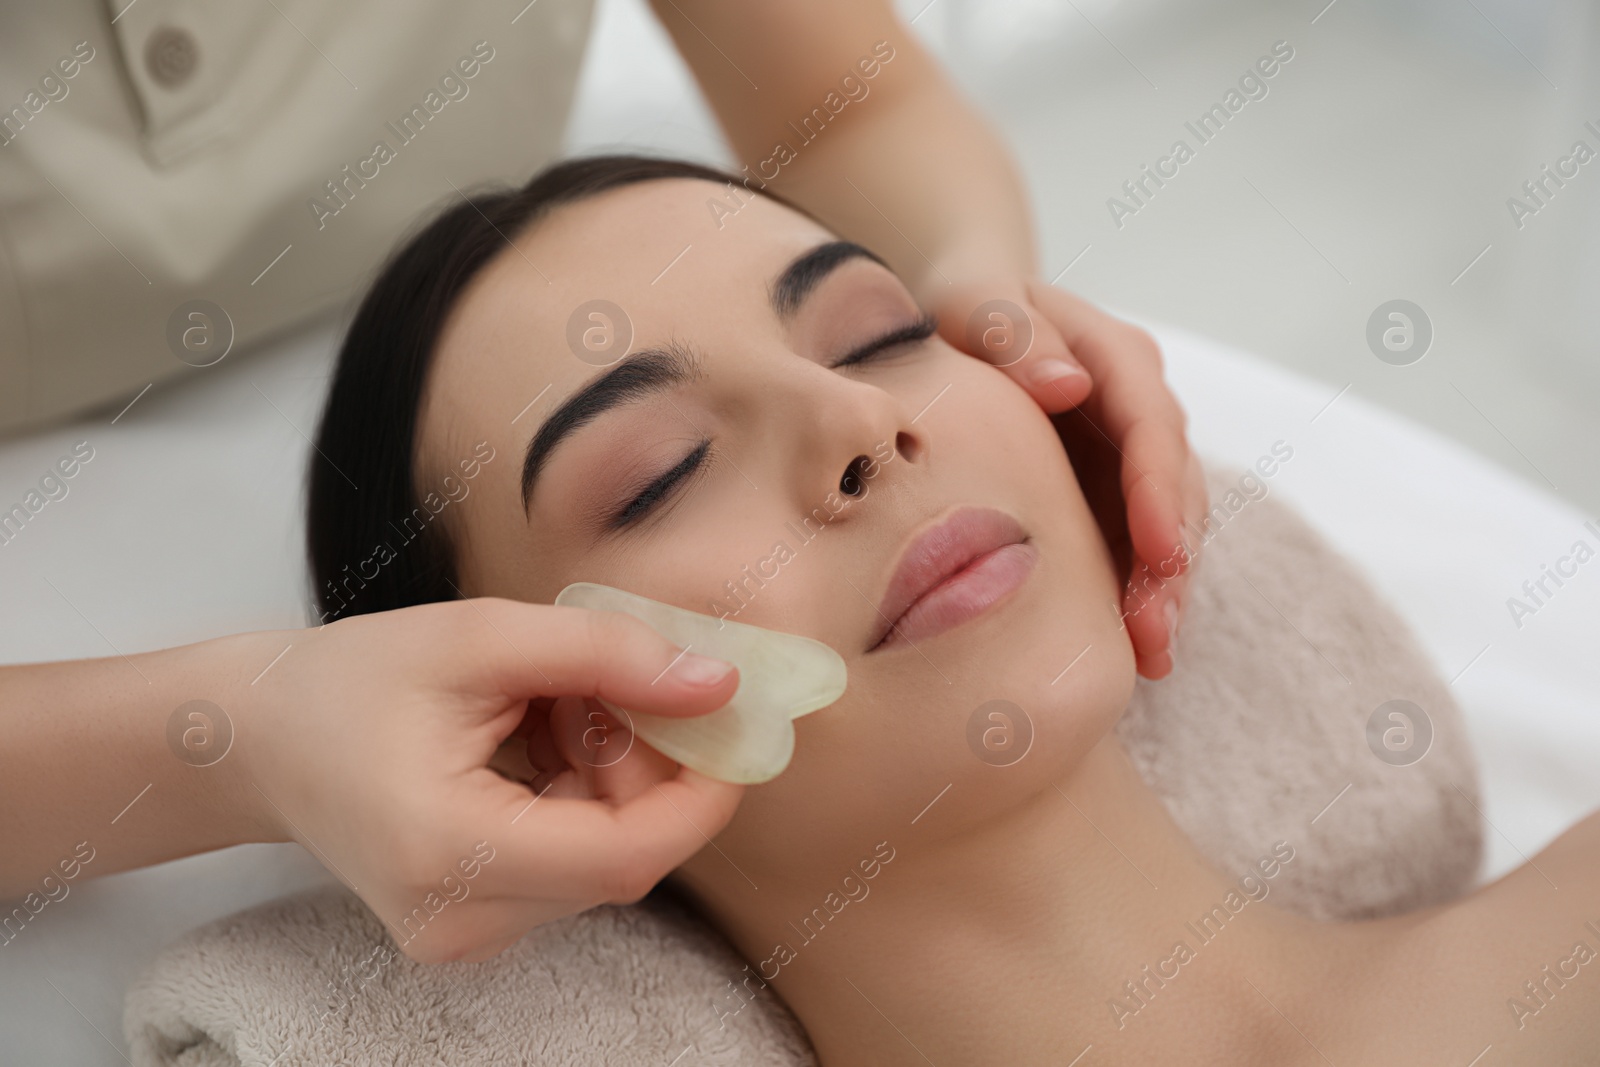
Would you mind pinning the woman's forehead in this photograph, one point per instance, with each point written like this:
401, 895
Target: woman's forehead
629, 266
667, 254
660, 238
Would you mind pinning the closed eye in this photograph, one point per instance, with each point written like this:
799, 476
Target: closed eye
659, 489
920, 330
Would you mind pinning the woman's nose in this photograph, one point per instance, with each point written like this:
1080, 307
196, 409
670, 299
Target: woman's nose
862, 468
837, 433
854, 482
857, 436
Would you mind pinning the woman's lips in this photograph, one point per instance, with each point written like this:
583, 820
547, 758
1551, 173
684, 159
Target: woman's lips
954, 572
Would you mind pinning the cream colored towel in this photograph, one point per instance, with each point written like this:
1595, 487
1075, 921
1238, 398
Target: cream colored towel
1260, 735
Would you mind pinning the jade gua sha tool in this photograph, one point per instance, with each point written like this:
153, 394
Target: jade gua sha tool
781, 677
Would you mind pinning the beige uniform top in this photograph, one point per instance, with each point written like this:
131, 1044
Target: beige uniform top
179, 175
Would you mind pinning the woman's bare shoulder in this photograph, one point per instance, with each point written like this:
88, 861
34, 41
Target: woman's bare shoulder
1515, 965
1562, 877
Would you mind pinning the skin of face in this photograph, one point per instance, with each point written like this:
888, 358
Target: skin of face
944, 429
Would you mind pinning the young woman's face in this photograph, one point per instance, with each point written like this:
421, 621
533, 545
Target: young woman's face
744, 471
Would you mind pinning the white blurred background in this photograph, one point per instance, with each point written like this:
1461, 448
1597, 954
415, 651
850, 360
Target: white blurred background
1381, 160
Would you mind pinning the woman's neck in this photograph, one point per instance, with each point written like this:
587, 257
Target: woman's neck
1082, 917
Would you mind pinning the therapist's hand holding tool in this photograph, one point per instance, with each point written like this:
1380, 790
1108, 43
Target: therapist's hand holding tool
369, 741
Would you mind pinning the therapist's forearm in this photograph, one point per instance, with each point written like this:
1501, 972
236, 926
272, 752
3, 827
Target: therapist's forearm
929, 187
910, 169
90, 783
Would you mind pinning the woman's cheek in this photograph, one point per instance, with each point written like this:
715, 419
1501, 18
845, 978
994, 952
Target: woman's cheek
1002, 416
983, 384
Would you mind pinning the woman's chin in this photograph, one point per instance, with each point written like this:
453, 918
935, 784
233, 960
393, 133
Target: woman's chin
1054, 684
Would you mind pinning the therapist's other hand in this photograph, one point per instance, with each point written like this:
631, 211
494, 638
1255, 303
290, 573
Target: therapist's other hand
371, 744
1069, 355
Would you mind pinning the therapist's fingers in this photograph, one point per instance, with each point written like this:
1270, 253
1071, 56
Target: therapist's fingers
1155, 508
550, 858
616, 820
1158, 586
998, 323
579, 748
561, 855
373, 745
542, 650
1098, 466
1133, 406
605, 760
594, 852
1162, 483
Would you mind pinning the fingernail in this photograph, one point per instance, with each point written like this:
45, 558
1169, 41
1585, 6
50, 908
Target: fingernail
1170, 611
1048, 371
696, 669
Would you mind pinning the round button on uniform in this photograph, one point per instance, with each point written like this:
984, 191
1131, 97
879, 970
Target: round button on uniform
171, 56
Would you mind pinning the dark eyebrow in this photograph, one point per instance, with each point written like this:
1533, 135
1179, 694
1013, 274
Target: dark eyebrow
651, 370
803, 275
647, 371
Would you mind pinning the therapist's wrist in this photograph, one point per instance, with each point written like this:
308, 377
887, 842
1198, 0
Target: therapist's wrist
215, 728
973, 265
125, 761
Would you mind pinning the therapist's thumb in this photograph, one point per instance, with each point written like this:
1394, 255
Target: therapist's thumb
551, 651
998, 323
